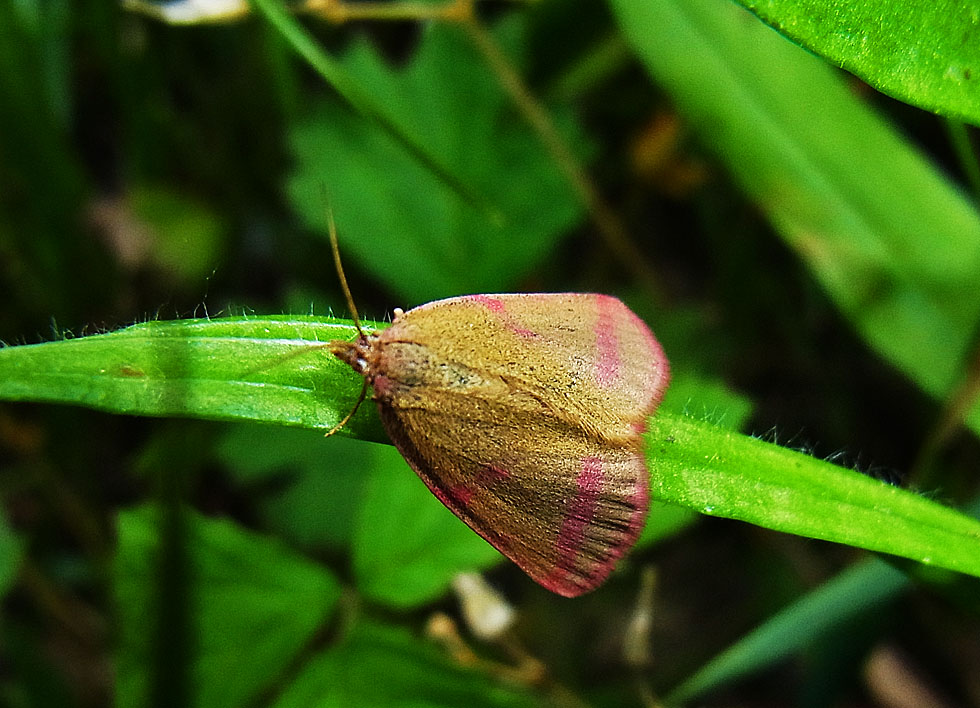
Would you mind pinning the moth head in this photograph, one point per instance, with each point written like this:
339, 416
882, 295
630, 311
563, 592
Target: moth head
355, 354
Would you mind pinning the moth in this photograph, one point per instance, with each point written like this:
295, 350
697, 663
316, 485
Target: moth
523, 414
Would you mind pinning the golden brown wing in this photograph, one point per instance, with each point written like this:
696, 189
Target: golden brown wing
523, 413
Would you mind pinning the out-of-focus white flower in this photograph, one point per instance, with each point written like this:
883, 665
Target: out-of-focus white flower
487, 613
189, 12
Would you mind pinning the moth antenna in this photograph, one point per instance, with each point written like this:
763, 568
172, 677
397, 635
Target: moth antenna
346, 418
340, 274
335, 247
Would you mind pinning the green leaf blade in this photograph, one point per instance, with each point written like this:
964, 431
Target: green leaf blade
273, 370
924, 53
255, 369
725, 474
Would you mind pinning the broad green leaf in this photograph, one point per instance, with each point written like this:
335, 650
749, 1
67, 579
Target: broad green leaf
408, 546
253, 603
395, 217
310, 487
924, 53
895, 246
382, 666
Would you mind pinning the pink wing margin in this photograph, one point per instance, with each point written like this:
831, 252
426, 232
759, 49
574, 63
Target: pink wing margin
629, 361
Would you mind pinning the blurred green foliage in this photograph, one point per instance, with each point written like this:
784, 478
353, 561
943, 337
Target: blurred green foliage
813, 248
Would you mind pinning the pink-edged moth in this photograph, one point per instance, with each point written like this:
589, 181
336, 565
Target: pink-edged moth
523, 414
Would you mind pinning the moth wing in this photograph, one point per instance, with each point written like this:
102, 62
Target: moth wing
560, 504
587, 355
522, 413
